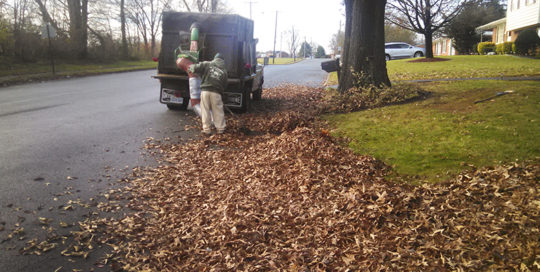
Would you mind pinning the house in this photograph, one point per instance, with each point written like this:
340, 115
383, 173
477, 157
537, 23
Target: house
279, 54
443, 47
520, 15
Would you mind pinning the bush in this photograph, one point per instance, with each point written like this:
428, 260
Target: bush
527, 42
486, 47
504, 48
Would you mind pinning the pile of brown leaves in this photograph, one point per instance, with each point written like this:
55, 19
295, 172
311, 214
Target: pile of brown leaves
288, 198
361, 98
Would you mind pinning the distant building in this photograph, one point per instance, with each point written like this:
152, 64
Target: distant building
279, 54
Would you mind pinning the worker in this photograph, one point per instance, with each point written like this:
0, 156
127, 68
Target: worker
214, 81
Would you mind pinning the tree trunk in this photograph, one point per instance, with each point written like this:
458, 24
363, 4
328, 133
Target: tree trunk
429, 44
78, 23
125, 52
363, 54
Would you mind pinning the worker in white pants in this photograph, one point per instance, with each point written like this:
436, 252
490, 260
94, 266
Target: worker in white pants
214, 82
212, 106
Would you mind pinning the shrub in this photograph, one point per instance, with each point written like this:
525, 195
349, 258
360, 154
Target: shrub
527, 42
486, 47
505, 48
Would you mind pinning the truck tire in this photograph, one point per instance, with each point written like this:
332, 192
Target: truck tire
183, 106
257, 94
246, 101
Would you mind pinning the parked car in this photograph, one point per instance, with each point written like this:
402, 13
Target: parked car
399, 50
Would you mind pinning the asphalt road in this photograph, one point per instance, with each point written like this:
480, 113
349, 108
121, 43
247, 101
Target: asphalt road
74, 139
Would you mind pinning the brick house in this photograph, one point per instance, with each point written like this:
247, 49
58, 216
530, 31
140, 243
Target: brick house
443, 47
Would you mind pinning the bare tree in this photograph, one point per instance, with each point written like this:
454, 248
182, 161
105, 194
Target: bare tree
146, 14
205, 6
78, 26
124, 48
424, 16
363, 54
293, 41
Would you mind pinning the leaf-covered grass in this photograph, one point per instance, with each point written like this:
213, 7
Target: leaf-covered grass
459, 67
279, 60
447, 133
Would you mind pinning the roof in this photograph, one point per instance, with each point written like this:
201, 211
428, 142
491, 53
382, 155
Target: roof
492, 25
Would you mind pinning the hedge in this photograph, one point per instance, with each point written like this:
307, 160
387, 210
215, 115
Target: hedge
486, 47
505, 48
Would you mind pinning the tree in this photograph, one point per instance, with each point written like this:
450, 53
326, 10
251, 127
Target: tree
293, 41
424, 16
146, 14
363, 52
124, 48
320, 52
462, 29
336, 43
206, 6
78, 27
394, 33
305, 47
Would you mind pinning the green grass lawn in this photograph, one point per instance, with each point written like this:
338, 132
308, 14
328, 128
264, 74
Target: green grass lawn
446, 133
279, 60
460, 67
16, 69
11, 73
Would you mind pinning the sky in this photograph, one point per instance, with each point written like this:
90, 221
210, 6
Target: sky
315, 20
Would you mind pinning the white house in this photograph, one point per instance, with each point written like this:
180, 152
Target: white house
520, 15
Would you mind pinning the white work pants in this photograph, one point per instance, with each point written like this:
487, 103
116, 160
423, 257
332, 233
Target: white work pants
211, 101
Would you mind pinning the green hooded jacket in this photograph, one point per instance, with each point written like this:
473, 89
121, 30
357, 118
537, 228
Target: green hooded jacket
213, 73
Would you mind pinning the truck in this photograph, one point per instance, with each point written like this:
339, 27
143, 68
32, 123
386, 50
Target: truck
228, 34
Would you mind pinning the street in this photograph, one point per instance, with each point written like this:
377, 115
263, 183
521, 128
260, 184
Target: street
74, 139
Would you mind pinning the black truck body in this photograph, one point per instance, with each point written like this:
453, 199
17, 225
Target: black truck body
230, 35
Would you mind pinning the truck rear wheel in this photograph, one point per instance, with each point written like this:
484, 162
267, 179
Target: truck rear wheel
246, 101
182, 106
257, 94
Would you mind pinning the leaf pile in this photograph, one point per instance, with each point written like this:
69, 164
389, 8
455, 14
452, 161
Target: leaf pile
291, 199
361, 98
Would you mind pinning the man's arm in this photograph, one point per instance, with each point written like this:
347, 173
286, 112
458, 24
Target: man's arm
199, 68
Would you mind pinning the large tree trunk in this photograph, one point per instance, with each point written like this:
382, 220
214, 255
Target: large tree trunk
78, 23
363, 56
428, 36
124, 50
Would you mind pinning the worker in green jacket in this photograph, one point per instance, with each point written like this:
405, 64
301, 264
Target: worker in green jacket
213, 84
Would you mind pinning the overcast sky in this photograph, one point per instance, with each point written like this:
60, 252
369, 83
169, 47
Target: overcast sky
316, 20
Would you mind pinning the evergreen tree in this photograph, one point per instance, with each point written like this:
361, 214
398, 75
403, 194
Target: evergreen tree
462, 29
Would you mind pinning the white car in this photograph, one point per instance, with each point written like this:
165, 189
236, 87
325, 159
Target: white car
399, 50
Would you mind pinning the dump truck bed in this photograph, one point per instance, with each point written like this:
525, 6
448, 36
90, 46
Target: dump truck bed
222, 33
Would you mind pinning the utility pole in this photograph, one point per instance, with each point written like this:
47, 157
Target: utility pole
250, 3
275, 34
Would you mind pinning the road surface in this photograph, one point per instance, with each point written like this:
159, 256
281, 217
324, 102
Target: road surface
74, 139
